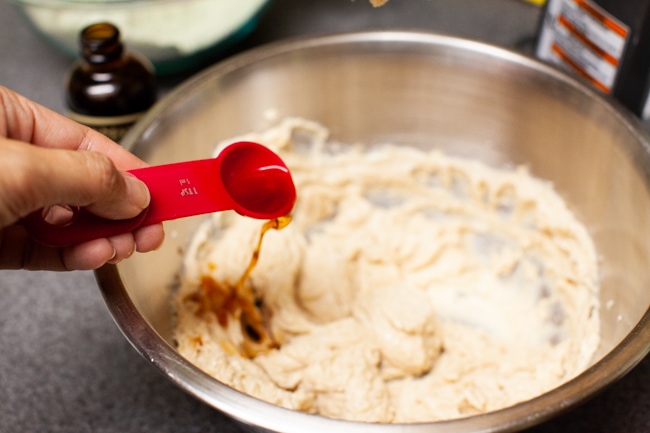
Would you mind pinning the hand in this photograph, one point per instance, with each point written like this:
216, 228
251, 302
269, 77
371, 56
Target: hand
47, 160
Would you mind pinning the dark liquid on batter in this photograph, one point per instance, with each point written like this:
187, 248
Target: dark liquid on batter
240, 302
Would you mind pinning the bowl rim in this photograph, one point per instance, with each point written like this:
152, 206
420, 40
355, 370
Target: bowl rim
252, 411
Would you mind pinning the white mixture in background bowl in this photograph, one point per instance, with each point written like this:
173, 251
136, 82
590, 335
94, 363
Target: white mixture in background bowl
173, 34
410, 286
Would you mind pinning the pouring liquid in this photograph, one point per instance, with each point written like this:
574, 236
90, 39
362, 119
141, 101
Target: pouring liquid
258, 337
239, 302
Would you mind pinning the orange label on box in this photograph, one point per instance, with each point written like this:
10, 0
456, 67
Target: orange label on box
582, 37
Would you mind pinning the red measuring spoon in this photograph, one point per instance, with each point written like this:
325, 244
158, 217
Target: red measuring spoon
245, 177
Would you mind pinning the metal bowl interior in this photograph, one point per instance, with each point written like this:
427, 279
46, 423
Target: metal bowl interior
424, 90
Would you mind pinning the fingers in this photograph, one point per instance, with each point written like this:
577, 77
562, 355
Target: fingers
149, 238
19, 251
69, 164
116, 195
91, 255
87, 256
35, 178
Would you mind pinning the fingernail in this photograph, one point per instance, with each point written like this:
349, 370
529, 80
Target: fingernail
111, 260
137, 191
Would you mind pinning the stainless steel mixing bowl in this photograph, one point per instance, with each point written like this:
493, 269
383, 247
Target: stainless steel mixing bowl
424, 90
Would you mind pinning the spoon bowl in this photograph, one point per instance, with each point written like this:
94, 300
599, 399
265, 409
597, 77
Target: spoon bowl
258, 182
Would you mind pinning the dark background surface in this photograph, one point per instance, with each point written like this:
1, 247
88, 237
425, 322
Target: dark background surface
65, 367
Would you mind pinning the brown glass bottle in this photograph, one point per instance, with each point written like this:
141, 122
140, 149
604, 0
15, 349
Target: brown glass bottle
109, 88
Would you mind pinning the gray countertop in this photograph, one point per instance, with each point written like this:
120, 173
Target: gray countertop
65, 367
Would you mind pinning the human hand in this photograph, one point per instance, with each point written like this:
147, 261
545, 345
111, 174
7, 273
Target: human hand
47, 160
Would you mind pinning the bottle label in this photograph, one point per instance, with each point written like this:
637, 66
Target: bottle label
581, 37
114, 127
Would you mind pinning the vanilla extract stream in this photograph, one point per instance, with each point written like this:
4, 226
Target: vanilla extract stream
240, 303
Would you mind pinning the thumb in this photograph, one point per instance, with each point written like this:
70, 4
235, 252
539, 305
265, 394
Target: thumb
33, 177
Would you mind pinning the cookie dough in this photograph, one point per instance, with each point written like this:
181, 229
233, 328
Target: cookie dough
411, 285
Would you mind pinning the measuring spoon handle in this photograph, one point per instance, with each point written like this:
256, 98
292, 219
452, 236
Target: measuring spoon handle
177, 190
